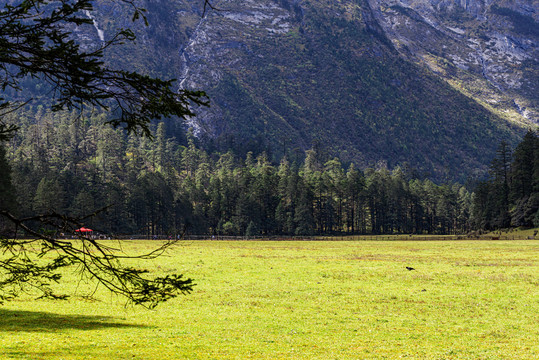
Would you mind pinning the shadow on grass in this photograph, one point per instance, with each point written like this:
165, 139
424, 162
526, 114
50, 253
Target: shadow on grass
38, 321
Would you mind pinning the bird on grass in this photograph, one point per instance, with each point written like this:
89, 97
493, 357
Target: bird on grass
409, 268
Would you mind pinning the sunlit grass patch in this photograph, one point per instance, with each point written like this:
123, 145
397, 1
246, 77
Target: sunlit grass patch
304, 300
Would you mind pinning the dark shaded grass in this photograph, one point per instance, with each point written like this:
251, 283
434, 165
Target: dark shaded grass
40, 321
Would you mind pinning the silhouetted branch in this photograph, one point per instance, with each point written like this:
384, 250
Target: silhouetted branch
94, 258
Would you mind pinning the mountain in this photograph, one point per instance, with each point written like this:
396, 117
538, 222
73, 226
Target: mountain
486, 49
434, 84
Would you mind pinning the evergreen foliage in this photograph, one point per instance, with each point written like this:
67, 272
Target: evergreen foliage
511, 196
7, 193
161, 187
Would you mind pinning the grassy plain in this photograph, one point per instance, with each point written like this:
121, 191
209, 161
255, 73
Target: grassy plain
303, 300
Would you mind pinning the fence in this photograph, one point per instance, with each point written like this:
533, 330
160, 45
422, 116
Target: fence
193, 237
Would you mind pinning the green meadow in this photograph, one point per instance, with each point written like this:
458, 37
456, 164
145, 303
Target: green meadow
301, 300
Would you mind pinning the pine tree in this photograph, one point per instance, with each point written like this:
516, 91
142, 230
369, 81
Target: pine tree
500, 171
524, 192
7, 193
354, 194
523, 167
303, 214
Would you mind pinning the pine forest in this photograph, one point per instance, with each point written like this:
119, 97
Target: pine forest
168, 185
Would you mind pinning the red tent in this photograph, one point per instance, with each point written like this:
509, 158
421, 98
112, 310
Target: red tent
83, 230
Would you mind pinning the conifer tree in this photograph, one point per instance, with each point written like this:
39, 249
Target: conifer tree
7, 192
524, 172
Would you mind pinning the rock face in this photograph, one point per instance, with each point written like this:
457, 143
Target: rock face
222, 43
435, 84
488, 48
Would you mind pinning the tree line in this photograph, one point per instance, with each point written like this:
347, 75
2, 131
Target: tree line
510, 197
170, 184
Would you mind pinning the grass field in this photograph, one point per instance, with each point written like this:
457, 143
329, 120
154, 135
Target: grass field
304, 300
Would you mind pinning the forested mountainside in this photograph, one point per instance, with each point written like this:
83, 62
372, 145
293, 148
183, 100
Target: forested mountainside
425, 84
348, 75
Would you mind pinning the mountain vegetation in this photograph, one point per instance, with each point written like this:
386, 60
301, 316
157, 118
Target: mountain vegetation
485, 50
328, 73
346, 76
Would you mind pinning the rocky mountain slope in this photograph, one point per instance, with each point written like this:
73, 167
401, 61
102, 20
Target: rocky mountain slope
436, 84
487, 49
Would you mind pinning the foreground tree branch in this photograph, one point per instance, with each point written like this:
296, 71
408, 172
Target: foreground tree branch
36, 42
21, 271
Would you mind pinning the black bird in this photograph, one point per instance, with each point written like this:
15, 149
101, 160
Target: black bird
409, 268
